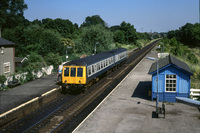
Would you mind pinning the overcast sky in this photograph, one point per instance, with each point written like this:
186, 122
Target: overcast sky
145, 15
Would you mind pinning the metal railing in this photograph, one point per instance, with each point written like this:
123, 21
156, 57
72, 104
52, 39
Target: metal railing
195, 93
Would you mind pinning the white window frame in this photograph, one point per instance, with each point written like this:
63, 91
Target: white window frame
6, 64
172, 80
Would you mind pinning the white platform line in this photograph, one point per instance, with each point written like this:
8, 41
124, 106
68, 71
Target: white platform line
106, 97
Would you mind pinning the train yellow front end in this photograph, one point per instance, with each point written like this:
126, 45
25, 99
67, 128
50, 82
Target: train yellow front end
72, 75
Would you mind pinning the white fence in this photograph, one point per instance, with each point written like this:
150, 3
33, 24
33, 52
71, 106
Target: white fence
47, 70
194, 93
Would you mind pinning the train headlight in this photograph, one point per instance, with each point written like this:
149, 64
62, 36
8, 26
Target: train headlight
65, 81
79, 81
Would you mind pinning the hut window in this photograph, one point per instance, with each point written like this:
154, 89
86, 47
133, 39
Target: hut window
170, 83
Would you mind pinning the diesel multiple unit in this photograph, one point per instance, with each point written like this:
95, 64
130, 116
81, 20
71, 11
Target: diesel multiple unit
80, 72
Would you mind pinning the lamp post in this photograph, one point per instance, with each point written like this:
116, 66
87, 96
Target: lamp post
66, 53
158, 109
95, 48
157, 97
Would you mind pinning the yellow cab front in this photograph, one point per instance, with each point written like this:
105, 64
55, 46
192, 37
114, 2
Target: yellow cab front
74, 75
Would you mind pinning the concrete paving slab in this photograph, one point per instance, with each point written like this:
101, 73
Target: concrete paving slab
16, 96
129, 110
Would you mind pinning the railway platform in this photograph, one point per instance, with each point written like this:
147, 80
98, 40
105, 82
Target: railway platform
128, 109
19, 95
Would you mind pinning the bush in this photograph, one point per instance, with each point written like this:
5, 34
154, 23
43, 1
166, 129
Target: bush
192, 58
2, 79
53, 59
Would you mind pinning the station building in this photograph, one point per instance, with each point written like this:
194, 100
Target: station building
173, 79
7, 57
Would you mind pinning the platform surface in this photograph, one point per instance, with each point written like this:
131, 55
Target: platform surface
16, 96
129, 110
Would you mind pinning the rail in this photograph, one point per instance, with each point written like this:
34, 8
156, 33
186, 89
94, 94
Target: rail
61, 114
195, 93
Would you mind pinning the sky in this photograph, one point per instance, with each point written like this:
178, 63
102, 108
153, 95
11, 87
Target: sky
145, 15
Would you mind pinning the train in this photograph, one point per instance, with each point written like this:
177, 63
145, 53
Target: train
82, 72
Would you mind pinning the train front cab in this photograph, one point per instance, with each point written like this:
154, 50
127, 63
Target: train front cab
73, 75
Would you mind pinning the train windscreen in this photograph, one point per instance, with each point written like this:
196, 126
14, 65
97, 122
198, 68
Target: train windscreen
80, 72
73, 72
66, 71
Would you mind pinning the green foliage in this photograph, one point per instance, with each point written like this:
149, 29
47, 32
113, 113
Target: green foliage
138, 44
35, 39
176, 48
192, 58
117, 45
119, 36
53, 59
34, 63
145, 36
93, 20
188, 34
95, 34
141, 42
11, 12
129, 32
64, 27
2, 79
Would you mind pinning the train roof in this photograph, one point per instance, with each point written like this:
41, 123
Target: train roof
94, 58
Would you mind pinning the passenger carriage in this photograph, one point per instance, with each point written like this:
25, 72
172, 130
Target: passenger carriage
80, 72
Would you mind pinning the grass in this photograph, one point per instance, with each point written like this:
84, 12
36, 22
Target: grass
128, 47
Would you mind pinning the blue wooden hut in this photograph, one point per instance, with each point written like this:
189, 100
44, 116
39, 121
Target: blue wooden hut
173, 79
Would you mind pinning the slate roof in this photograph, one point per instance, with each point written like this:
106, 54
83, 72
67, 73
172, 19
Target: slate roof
170, 60
4, 42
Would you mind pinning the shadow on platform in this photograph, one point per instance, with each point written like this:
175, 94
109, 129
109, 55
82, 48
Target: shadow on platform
142, 90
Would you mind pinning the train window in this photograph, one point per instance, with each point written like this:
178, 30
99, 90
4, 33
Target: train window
73, 72
89, 71
101, 64
98, 66
66, 71
95, 68
80, 72
104, 62
92, 68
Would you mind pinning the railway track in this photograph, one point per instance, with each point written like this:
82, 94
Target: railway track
65, 112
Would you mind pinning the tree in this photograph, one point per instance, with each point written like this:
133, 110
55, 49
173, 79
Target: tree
119, 36
46, 20
53, 59
64, 27
129, 32
11, 12
189, 34
93, 20
95, 34
115, 28
68, 43
34, 39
